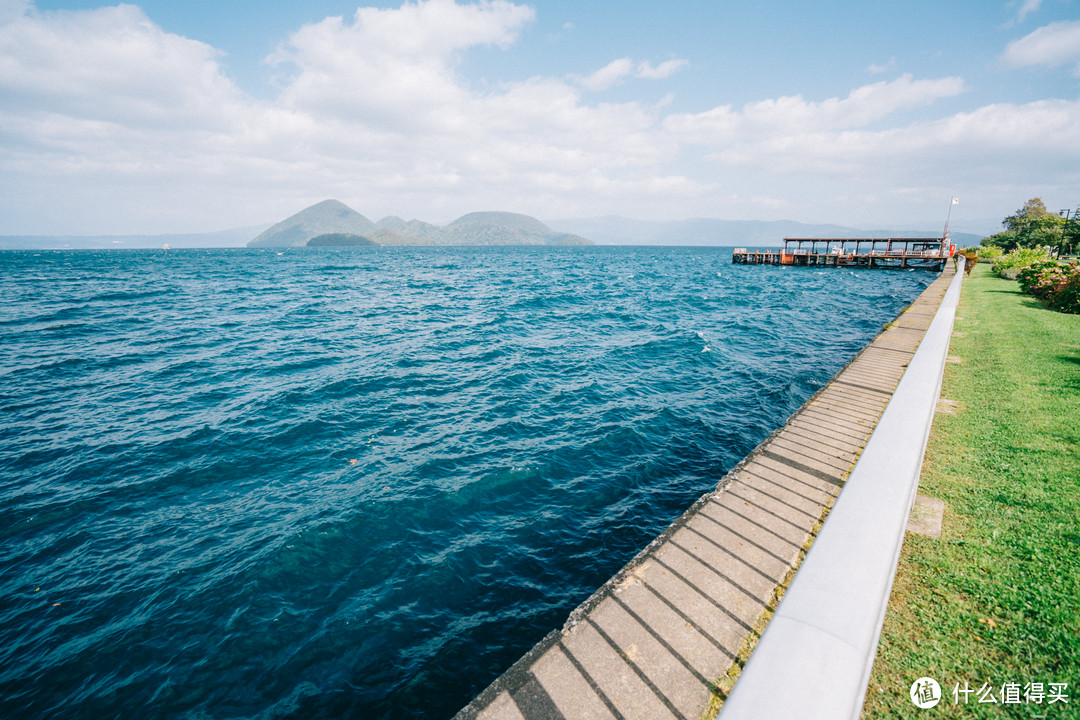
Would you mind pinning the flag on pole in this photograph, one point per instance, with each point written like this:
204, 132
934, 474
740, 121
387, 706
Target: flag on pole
956, 201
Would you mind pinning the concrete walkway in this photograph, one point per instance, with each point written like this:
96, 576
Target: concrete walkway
656, 640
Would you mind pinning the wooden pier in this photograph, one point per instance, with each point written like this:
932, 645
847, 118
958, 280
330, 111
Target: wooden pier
897, 253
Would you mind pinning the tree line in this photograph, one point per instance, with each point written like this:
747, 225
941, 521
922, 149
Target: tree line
1033, 226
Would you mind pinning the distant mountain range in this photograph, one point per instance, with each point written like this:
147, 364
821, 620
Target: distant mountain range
331, 217
615, 230
481, 228
237, 237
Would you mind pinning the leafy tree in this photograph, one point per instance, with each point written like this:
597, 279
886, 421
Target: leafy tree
1007, 240
1031, 225
1070, 234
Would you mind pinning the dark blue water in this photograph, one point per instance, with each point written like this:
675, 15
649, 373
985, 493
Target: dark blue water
361, 482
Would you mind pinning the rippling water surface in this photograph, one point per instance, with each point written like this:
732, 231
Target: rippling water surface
361, 482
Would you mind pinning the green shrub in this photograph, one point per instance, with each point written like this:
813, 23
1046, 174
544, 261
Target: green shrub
990, 252
1057, 283
1042, 279
1067, 298
1019, 259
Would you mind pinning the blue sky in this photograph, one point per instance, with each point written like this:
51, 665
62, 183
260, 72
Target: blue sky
185, 117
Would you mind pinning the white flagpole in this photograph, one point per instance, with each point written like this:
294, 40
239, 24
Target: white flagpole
954, 201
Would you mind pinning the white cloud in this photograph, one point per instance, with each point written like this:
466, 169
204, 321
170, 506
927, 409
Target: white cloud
393, 65
1028, 7
877, 69
664, 70
608, 75
616, 70
785, 117
999, 137
111, 64
1055, 44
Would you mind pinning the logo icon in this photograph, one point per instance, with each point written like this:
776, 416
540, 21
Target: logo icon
925, 693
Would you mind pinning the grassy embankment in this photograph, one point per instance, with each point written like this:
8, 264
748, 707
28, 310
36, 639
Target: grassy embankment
997, 598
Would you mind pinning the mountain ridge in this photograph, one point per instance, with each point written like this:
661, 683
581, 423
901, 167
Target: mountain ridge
322, 218
477, 228
619, 230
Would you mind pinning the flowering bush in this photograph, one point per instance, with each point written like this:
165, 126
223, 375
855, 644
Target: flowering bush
1058, 284
1067, 298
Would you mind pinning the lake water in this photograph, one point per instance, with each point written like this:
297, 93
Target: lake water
361, 482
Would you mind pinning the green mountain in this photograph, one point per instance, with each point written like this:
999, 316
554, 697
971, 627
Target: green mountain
503, 228
331, 217
327, 217
339, 240
425, 233
390, 222
383, 236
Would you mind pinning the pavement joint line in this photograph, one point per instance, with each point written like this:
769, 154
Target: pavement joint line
899, 350
839, 410
784, 471
689, 620
843, 445
742, 537
877, 379
637, 670
775, 499
760, 476
663, 642
745, 625
746, 484
853, 407
759, 525
843, 406
819, 474
590, 680
768, 511
714, 570
832, 421
822, 455
815, 454
841, 434
728, 553
859, 393
879, 382
878, 372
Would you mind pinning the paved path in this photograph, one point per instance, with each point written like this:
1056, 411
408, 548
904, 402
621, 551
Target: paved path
656, 639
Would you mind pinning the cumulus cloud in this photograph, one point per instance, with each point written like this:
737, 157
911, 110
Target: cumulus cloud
788, 116
110, 64
1052, 45
833, 137
387, 65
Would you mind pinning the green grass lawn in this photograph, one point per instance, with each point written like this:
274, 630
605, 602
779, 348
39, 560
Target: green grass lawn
996, 599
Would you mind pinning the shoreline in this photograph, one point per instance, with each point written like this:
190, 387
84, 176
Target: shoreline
672, 629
